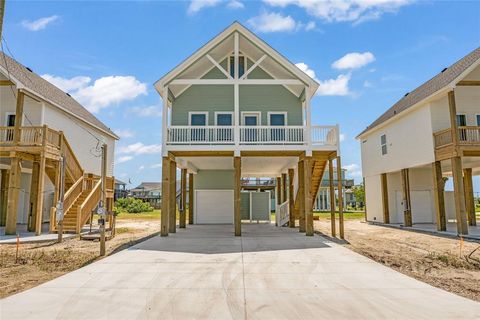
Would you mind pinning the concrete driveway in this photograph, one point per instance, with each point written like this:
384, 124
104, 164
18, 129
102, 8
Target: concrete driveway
206, 273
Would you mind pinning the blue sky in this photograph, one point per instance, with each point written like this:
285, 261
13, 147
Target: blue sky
109, 54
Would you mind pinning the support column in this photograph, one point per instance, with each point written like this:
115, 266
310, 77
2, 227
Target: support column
237, 218
386, 209
3, 196
40, 188
332, 197
452, 107
340, 198
301, 195
439, 195
13, 194
407, 208
291, 198
190, 198
183, 212
469, 200
459, 194
308, 196
32, 209
284, 187
165, 213
172, 219
56, 195
279, 191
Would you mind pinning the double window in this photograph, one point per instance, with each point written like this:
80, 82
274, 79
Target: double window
383, 143
241, 66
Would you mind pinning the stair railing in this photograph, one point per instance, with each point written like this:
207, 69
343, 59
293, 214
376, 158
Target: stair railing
71, 162
283, 214
88, 205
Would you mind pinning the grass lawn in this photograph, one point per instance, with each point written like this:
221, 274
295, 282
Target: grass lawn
155, 214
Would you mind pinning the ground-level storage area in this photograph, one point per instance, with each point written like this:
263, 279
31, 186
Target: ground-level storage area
213, 206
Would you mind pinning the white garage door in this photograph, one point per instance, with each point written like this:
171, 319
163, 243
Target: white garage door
421, 202
213, 206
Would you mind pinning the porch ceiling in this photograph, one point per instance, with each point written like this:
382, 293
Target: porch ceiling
251, 166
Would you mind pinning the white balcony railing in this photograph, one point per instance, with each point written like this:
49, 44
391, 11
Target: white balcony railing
252, 135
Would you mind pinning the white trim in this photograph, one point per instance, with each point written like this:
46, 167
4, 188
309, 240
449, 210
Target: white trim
229, 65
190, 113
250, 113
256, 64
164, 121
292, 82
224, 112
285, 113
216, 64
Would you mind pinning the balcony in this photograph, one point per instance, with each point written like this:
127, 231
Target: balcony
320, 136
34, 139
468, 139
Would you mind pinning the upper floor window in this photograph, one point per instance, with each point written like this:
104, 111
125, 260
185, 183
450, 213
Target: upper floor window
461, 120
277, 119
478, 119
383, 143
224, 118
241, 66
198, 118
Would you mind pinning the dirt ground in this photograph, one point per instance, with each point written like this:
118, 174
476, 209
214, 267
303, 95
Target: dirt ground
441, 262
41, 262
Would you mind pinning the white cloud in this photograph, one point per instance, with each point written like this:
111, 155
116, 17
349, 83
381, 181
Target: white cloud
103, 92
197, 5
140, 148
304, 67
334, 87
109, 90
310, 26
123, 159
150, 111
330, 87
272, 22
353, 170
354, 60
141, 168
367, 84
235, 4
342, 137
124, 133
356, 11
156, 165
39, 24
68, 85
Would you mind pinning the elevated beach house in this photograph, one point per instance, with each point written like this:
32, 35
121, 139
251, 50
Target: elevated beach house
428, 137
39, 124
235, 109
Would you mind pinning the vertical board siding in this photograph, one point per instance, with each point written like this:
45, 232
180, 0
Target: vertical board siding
214, 180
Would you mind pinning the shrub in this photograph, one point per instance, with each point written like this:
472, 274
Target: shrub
132, 205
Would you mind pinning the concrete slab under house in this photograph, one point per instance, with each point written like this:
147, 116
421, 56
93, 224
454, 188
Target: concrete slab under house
406, 171
236, 111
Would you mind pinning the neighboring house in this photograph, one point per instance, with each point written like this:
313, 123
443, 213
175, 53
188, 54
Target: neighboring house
431, 134
120, 190
322, 200
39, 124
237, 109
150, 192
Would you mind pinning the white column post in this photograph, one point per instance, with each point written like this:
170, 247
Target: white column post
164, 120
236, 93
308, 117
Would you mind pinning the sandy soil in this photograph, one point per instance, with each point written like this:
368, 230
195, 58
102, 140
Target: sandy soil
442, 262
41, 262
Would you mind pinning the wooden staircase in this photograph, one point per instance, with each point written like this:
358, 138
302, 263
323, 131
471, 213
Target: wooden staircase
82, 192
318, 169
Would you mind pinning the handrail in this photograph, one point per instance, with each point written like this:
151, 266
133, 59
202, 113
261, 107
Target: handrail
72, 194
466, 135
282, 214
85, 209
72, 163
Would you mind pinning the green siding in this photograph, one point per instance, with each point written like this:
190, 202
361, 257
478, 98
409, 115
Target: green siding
214, 180
245, 205
212, 98
260, 206
269, 98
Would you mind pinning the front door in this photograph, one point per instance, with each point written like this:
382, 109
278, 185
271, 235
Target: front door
198, 121
10, 123
251, 119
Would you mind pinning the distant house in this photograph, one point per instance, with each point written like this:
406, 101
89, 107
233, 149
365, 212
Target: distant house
322, 201
150, 192
120, 190
40, 123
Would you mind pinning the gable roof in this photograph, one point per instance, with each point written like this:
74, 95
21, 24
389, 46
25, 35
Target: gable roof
28, 80
149, 186
444, 79
250, 36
